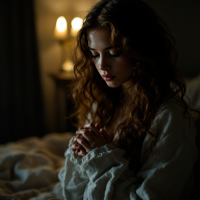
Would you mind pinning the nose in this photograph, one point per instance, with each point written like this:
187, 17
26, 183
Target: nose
104, 64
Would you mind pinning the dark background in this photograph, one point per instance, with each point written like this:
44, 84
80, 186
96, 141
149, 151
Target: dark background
22, 103
183, 20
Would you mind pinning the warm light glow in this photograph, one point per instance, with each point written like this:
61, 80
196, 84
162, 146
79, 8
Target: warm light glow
61, 24
61, 28
76, 25
68, 66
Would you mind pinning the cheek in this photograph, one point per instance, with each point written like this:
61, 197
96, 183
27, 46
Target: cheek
96, 66
123, 66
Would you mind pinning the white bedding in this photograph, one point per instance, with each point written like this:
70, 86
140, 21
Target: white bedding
29, 167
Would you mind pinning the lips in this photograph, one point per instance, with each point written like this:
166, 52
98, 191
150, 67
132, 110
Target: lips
107, 75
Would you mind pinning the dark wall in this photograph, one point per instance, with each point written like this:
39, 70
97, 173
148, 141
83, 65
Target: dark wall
21, 104
183, 20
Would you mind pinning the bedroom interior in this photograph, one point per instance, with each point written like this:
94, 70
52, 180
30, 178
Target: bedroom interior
35, 71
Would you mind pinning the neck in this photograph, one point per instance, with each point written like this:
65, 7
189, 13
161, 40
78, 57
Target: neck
127, 90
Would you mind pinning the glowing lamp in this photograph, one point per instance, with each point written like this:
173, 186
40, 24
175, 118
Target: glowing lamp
60, 31
76, 25
67, 66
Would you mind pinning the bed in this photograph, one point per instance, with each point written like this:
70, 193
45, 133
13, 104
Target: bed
29, 167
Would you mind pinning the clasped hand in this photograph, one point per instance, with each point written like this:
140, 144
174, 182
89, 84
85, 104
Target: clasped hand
88, 138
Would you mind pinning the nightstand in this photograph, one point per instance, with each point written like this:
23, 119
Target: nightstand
64, 101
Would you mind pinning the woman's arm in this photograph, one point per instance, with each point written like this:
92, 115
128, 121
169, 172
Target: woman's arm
73, 179
166, 173
163, 176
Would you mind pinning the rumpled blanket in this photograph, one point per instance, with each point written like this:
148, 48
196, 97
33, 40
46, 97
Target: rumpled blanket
29, 167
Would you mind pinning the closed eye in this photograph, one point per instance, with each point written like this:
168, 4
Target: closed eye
95, 56
115, 55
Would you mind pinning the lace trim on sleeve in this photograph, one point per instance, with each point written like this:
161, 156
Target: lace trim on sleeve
69, 150
95, 153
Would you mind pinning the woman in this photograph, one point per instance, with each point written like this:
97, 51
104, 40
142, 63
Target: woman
143, 143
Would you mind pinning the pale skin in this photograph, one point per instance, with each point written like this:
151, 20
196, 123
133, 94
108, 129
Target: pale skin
92, 137
107, 60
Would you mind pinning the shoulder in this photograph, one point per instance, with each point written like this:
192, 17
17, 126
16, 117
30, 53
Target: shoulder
173, 117
172, 127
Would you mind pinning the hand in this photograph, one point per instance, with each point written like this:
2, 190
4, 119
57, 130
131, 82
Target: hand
94, 137
77, 148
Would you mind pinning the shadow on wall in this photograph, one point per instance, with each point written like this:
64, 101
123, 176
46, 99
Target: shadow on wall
183, 19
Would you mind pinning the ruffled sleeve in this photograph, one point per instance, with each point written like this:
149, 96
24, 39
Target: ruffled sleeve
165, 174
73, 179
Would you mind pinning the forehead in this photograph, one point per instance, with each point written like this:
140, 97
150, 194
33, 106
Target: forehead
98, 38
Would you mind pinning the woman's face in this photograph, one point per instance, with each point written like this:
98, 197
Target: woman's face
108, 60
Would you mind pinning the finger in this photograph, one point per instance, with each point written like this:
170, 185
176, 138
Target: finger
78, 136
77, 151
81, 149
84, 144
75, 146
82, 153
94, 129
98, 126
74, 140
105, 134
85, 134
78, 146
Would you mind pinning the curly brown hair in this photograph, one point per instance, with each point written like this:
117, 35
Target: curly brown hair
145, 38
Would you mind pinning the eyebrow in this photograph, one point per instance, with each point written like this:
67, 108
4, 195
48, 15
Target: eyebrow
110, 47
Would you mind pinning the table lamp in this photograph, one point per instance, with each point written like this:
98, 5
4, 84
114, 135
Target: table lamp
67, 40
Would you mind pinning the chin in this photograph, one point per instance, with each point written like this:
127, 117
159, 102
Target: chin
113, 85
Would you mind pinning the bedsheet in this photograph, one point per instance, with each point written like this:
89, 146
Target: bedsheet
29, 167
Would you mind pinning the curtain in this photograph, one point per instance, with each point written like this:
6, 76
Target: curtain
21, 102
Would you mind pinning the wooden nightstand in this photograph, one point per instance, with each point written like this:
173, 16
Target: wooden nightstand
64, 101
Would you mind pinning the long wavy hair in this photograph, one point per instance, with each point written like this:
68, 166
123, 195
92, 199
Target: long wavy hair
144, 38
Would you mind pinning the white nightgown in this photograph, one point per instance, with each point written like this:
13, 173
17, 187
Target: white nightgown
166, 172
